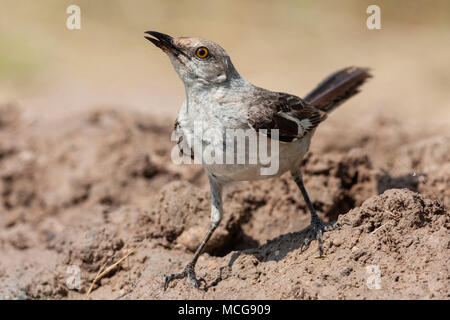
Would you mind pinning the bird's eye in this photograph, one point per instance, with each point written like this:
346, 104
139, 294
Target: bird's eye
202, 52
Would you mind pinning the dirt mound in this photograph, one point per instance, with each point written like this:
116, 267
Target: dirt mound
399, 235
78, 194
105, 157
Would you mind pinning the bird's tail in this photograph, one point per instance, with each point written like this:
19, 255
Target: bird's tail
337, 88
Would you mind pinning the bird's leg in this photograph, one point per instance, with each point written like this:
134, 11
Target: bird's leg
317, 226
216, 216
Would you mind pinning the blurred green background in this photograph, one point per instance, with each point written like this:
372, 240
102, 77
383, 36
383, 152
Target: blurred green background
280, 45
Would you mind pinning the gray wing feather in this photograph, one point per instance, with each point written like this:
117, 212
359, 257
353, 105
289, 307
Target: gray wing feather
292, 116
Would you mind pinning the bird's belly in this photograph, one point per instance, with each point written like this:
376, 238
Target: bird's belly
275, 158
289, 156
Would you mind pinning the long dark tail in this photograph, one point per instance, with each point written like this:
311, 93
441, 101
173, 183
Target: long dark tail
337, 88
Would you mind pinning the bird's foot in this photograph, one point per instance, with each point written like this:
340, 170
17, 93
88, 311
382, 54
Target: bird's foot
316, 230
189, 273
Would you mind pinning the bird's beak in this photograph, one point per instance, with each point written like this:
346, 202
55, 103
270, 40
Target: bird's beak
164, 42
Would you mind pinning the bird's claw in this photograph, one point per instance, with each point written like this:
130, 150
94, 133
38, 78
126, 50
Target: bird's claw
317, 228
189, 273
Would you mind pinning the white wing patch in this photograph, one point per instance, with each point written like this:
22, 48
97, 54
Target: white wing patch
303, 125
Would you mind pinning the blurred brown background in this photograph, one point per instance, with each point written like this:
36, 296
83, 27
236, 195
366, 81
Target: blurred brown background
285, 46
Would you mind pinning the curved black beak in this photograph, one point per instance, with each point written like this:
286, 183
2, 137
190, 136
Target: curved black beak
160, 40
165, 43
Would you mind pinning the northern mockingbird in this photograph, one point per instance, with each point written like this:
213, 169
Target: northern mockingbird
216, 95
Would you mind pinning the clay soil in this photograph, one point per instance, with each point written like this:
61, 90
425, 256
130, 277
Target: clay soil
79, 194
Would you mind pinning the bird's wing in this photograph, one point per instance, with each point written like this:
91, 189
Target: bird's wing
181, 142
292, 116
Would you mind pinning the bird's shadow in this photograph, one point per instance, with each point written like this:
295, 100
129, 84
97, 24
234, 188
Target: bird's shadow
386, 181
277, 248
273, 250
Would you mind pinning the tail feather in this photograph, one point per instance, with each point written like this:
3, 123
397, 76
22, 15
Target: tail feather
337, 88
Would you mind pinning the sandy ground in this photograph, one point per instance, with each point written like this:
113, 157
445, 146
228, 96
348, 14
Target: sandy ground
79, 194
86, 175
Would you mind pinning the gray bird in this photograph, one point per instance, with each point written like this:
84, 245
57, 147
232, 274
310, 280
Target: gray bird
220, 99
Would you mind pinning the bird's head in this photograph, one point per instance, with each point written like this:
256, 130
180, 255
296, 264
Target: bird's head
198, 62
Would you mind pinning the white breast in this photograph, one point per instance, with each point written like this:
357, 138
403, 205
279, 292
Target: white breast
289, 157
198, 126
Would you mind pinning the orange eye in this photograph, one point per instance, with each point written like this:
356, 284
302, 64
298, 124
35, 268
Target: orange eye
202, 52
